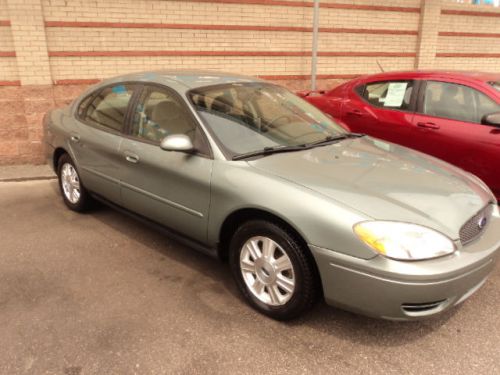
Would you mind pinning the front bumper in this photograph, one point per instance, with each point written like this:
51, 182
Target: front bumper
396, 290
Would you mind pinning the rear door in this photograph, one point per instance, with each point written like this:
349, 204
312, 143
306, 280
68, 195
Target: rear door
171, 188
96, 140
383, 109
448, 126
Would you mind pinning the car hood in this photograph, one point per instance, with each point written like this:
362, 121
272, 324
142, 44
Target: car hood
385, 182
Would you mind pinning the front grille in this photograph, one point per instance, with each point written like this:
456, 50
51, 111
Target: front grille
473, 228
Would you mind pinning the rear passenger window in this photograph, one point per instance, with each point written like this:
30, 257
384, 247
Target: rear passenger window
82, 108
109, 107
388, 94
360, 90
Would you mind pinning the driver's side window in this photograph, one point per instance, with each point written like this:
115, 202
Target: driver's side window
158, 114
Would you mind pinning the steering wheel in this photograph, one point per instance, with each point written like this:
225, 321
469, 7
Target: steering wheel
270, 123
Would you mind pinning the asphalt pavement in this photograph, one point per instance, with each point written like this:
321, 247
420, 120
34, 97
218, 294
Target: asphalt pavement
100, 293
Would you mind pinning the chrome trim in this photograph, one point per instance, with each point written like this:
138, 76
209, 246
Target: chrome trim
475, 226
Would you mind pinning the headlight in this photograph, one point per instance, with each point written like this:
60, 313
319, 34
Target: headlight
403, 241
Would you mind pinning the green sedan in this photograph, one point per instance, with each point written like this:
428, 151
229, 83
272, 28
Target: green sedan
301, 209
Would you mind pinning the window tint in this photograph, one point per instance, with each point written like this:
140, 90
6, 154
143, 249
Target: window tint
389, 94
160, 113
457, 102
109, 107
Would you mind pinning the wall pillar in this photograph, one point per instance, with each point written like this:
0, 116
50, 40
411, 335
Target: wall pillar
29, 102
430, 12
30, 43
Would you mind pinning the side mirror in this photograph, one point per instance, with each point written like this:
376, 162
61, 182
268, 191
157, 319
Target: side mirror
491, 119
177, 142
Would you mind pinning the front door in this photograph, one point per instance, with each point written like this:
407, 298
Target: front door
448, 126
171, 188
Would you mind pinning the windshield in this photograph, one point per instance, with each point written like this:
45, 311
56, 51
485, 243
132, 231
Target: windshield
247, 117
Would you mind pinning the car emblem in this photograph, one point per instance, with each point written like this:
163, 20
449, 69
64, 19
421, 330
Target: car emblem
482, 222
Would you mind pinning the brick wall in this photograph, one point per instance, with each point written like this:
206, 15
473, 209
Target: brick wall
50, 50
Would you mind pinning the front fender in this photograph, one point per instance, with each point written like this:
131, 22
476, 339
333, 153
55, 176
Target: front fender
318, 219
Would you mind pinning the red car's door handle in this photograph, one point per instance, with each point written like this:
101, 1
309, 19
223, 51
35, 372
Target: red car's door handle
495, 131
355, 112
428, 125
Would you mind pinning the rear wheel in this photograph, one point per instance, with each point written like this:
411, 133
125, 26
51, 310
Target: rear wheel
272, 270
74, 194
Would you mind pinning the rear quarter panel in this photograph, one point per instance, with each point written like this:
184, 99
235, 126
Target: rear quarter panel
57, 125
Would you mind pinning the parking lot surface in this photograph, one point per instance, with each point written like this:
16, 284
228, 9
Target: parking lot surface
101, 293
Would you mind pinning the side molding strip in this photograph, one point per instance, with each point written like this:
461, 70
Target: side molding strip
102, 175
146, 193
162, 200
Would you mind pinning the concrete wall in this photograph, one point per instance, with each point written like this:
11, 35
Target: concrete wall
50, 50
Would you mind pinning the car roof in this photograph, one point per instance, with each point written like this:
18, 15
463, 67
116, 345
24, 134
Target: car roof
469, 75
183, 80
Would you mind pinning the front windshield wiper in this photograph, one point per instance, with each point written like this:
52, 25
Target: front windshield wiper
305, 146
270, 150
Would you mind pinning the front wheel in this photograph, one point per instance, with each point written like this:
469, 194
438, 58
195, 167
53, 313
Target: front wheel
272, 270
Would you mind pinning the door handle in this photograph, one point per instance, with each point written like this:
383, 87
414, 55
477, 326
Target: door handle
132, 158
428, 125
75, 138
495, 131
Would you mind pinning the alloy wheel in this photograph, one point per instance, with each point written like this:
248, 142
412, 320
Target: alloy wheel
70, 183
267, 271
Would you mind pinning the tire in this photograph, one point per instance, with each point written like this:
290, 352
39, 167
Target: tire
74, 194
282, 283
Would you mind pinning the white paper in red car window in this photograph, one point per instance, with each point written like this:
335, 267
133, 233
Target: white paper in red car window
395, 94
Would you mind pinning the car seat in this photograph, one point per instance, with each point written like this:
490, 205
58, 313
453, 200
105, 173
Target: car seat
170, 116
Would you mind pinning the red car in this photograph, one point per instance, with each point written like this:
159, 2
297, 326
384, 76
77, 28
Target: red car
454, 116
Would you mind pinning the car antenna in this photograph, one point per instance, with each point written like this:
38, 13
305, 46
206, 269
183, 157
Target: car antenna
380, 66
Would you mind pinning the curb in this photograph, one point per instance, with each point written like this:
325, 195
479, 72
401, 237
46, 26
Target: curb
23, 179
